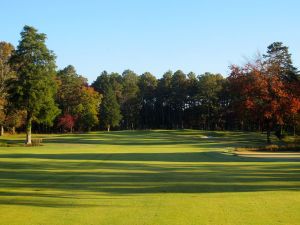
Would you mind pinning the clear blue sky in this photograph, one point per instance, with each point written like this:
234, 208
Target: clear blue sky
155, 35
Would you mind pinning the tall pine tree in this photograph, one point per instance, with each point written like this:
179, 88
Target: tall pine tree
34, 87
110, 115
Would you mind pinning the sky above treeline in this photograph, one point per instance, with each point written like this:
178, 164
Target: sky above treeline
155, 35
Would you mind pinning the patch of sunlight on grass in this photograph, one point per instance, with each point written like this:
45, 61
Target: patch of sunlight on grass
146, 177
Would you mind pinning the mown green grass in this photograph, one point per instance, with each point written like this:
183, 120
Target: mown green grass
145, 177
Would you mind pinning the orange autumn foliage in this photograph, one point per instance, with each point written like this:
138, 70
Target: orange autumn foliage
261, 93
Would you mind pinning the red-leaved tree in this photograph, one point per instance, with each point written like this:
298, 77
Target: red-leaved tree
262, 95
67, 122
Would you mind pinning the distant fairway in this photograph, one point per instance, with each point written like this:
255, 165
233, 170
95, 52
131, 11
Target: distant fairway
146, 178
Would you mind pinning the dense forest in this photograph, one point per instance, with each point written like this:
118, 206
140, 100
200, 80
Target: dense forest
261, 95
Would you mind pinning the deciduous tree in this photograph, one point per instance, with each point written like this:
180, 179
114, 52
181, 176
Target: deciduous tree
6, 50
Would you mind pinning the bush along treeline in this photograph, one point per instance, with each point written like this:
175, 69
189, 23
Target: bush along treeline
263, 95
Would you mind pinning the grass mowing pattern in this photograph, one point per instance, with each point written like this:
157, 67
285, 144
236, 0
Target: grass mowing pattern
146, 177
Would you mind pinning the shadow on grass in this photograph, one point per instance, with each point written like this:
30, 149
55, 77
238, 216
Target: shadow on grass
126, 174
44, 203
137, 173
198, 139
202, 157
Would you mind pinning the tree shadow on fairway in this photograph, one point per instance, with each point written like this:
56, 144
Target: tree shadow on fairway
44, 203
192, 157
136, 173
197, 139
34, 178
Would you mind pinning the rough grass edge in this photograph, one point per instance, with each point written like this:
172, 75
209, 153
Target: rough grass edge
271, 148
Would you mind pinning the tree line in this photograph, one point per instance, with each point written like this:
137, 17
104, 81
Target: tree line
262, 95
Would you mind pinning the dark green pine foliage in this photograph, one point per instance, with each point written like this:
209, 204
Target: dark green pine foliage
163, 102
34, 87
110, 114
278, 55
210, 88
147, 85
178, 98
130, 102
110, 110
191, 114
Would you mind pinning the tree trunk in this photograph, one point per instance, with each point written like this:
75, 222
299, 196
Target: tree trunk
268, 136
294, 122
1, 131
28, 130
108, 128
268, 129
13, 130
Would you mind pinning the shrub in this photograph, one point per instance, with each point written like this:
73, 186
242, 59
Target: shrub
271, 148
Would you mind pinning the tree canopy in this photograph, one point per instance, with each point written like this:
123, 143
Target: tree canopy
34, 87
263, 95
